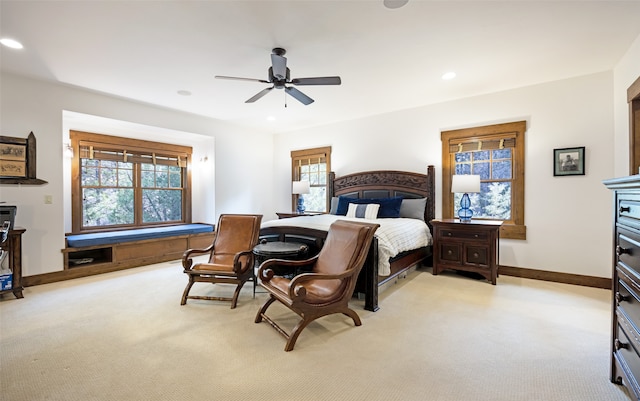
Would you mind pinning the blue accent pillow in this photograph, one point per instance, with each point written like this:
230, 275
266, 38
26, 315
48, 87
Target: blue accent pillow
389, 207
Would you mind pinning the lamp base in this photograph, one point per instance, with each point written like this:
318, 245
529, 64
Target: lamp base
301, 207
464, 213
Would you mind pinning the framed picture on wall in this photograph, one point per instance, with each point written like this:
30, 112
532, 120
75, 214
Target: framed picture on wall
18, 160
568, 161
13, 159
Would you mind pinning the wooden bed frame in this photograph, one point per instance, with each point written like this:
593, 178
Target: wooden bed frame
371, 184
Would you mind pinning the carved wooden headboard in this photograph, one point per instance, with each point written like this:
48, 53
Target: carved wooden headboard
386, 184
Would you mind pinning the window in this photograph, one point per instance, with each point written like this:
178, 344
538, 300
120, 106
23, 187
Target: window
312, 165
124, 183
496, 154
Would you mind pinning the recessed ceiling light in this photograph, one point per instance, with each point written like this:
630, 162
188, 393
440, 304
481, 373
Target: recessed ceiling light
183, 92
14, 44
449, 75
395, 3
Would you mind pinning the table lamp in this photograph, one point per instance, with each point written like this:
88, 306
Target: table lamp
299, 188
465, 184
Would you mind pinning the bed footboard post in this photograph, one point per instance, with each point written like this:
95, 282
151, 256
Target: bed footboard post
371, 278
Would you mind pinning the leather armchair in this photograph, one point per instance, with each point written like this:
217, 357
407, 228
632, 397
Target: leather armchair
329, 286
231, 259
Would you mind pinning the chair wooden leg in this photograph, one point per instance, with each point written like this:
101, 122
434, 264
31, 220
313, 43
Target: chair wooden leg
291, 342
264, 308
236, 293
186, 291
353, 315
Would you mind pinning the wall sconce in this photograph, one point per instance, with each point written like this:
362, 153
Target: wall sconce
68, 151
465, 184
299, 188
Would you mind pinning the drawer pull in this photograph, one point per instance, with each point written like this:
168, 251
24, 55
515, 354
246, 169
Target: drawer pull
621, 251
449, 252
449, 234
475, 255
619, 298
619, 344
476, 236
625, 209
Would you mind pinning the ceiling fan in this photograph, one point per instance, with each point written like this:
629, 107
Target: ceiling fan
279, 77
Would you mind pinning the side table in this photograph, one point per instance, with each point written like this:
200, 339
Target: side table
278, 250
469, 246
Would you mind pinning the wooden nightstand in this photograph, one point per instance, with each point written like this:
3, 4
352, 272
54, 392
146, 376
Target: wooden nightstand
471, 246
286, 215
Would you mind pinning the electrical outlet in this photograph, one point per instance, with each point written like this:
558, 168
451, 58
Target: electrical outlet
48, 199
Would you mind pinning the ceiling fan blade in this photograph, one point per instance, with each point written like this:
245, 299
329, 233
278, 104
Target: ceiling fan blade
242, 79
279, 64
299, 96
259, 95
317, 81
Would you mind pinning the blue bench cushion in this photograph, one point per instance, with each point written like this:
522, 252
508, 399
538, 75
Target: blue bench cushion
114, 237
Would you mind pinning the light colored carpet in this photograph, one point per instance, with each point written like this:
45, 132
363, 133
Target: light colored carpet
124, 336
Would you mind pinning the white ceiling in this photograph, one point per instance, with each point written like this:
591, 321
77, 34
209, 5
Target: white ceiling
388, 59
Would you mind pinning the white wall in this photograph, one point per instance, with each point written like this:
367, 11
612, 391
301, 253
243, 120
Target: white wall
568, 219
243, 159
625, 74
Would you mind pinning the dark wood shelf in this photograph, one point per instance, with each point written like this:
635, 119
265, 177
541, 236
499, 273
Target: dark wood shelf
24, 181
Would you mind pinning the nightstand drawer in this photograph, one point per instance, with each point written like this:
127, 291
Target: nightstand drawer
477, 255
450, 253
479, 235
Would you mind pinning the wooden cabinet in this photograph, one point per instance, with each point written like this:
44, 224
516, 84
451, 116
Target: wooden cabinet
470, 246
13, 247
625, 316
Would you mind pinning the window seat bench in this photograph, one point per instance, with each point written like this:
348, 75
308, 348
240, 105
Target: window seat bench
116, 250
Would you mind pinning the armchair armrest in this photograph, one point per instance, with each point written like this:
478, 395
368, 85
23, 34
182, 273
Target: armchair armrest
237, 264
265, 273
187, 260
297, 290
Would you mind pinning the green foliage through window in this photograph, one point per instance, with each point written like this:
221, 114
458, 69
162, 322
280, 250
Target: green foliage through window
129, 193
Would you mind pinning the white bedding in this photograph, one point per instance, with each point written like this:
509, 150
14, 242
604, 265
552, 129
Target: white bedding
394, 235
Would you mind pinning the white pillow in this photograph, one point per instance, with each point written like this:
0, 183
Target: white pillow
369, 211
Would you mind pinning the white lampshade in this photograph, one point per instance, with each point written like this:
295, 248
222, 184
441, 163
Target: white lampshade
465, 184
300, 187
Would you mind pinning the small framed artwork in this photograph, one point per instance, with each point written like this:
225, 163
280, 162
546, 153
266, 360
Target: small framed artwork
13, 160
568, 161
18, 160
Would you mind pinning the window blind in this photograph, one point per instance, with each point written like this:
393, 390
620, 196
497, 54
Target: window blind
476, 144
100, 151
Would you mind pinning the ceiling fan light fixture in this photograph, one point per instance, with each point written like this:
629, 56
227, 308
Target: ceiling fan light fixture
393, 4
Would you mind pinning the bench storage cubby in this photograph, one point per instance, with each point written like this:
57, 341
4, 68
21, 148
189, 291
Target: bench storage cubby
115, 250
